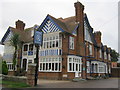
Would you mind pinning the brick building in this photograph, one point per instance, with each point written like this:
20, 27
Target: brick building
70, 47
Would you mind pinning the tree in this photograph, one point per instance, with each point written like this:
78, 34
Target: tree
16, 43
114, 56
4, 68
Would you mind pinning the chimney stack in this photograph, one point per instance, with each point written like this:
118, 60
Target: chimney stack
79, 13
98, 37
20, 25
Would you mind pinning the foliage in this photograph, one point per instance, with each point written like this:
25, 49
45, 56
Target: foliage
0, 66
4, 68
16, 43
114, 56
12, 84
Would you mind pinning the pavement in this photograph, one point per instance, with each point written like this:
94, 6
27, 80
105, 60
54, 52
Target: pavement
103, 83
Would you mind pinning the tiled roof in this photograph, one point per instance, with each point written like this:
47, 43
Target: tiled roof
25, 35
67, 24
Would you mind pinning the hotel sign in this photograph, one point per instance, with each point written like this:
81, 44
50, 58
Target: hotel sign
38, 37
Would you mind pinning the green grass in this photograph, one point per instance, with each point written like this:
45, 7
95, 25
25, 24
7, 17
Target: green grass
12, 84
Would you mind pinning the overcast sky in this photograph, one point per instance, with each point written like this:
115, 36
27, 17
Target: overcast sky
102, 15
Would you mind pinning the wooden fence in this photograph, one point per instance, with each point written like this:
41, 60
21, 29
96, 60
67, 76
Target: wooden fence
115, 72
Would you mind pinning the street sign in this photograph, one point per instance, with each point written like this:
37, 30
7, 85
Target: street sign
38, 37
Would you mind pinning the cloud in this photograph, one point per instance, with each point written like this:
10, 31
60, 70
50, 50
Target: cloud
100, 14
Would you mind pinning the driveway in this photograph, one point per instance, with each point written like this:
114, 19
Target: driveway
103, 83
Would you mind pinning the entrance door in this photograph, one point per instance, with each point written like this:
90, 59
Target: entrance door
24, 64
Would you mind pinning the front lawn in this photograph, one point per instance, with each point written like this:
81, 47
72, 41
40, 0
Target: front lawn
12, 84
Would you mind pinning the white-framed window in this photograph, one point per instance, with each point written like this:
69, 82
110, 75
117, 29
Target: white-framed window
50, 64
52, 41
102, 67
105, 55
88, 67
90, 49
109, 57
10, 66
86, 33
74, 64
51, 52
100, 53
30, 61
71, 42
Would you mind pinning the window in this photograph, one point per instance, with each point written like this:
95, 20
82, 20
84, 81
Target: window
90, 49
71, 42
105, 55
109, 57
102, 67
52, 41
100, 53
25, 47
87, 33
31, 47
50, 64
74, 64
88, 67
29, 61
10, 66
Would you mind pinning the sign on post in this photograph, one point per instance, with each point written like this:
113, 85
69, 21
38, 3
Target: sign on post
38, 37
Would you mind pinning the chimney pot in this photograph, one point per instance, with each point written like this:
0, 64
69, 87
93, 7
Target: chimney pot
20, 25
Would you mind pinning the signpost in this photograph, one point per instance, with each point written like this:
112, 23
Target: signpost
38, 39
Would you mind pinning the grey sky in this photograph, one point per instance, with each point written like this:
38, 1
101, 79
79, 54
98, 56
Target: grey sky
102, 15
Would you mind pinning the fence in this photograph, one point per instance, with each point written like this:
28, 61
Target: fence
115, 72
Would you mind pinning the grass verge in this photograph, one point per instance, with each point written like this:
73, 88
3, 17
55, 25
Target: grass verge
12, 84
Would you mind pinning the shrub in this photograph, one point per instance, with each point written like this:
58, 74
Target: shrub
4, 68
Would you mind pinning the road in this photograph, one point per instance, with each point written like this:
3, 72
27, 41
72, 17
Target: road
103, 83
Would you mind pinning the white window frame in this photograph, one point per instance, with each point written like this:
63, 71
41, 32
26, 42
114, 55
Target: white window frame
90, 49
50, 61
100, 53
75, 60
109, 57
88, 67
105, 55
10, 66
50, 39
71, 43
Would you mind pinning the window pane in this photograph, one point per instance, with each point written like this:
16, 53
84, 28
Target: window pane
70, 66
56, 65
46, 66
59, 66
49, 66
25, 47
43, 66
53, 66
31, 47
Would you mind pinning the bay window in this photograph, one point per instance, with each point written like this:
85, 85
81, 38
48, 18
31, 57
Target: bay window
50, 64
74, 64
